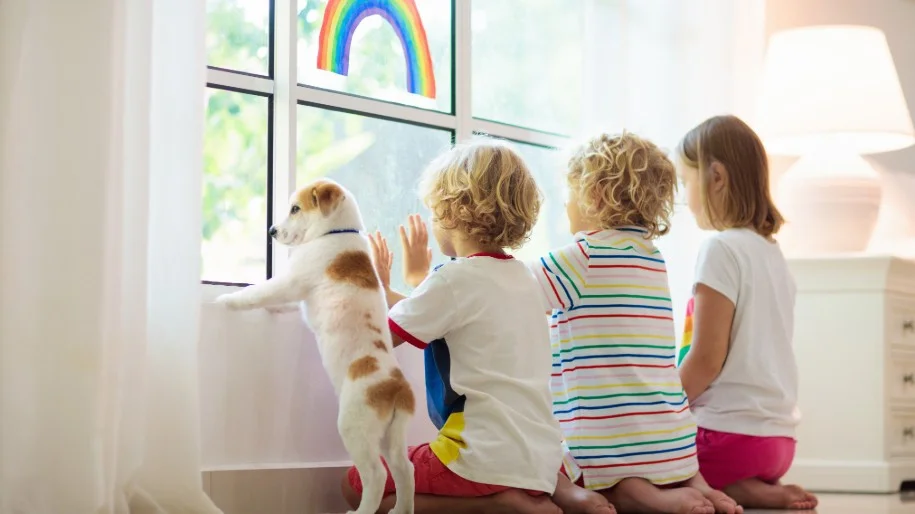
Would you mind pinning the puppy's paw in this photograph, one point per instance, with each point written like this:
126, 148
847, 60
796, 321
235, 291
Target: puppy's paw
229, 301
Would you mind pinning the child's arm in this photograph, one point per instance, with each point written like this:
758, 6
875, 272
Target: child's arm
417, 256
712, 318
560, 274
420, 318
715, 296
383, 260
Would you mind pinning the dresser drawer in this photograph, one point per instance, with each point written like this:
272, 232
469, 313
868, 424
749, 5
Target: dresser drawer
900, 320
901, 436
900, 376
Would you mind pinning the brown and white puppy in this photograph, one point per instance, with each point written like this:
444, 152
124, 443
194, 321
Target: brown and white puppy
332, 279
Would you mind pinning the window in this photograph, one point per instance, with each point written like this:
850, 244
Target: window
543, 41
235, 187
349, 89
238, 35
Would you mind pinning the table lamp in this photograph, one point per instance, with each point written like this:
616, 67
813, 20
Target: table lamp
829, 95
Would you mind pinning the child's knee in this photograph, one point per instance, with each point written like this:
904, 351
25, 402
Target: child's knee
349, 494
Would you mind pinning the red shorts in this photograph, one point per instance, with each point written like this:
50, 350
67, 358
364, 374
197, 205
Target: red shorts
433, 477
726, 458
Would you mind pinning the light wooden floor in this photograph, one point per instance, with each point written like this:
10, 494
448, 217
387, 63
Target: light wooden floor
860, 504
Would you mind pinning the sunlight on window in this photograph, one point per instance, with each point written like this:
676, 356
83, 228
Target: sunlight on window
527, 63
380, 161
235, 188
237, 35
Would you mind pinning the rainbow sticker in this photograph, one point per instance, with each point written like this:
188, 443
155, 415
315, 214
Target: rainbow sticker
341, 17
687, 333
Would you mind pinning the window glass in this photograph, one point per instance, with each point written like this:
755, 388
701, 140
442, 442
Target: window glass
527, 62
552, 228
235, 187
379, 161
377, 64
238, 35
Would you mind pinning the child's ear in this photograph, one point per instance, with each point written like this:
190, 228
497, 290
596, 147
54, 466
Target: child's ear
718, 177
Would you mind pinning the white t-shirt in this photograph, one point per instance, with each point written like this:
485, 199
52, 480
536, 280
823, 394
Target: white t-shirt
756, 391
480, 323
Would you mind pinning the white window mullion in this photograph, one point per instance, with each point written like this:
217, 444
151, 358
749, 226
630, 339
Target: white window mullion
463, 39
285, 66
371, 107
239, 81
519, 134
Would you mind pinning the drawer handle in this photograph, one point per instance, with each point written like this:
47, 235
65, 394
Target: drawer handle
908, 378
908, 326
908, 433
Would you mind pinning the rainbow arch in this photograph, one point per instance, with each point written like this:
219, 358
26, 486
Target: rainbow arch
342, 17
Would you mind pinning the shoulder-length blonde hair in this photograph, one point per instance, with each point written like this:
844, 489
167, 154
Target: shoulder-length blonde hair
746, 200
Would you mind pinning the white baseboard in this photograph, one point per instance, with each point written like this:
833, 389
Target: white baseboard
851, 476
273, 489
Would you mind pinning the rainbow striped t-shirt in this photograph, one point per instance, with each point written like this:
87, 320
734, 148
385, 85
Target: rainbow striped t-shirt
616, 390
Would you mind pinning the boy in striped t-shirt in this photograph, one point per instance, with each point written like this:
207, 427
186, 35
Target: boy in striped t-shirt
628, 429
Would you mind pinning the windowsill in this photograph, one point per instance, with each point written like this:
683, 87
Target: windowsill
209, 292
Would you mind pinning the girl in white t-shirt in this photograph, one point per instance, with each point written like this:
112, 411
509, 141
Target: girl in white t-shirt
739, 371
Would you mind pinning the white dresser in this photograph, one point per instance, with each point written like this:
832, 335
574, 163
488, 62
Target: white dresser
855, 347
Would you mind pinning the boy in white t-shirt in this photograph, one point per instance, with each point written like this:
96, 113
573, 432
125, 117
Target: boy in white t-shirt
480, 322
739, 371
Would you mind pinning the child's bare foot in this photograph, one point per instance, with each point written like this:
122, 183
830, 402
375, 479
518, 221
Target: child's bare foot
640, 495
514, 501
723, 503
573, 499
756, 494
799, 498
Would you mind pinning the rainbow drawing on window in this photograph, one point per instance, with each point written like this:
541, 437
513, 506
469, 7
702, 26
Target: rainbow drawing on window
687, 333
341, 17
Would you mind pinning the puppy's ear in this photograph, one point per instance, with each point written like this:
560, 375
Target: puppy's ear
326, 197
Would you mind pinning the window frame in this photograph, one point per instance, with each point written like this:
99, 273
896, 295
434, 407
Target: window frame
285, 94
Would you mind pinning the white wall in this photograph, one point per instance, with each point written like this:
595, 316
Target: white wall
265, 398
895, 232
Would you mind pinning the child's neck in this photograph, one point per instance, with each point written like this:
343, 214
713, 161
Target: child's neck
468, 248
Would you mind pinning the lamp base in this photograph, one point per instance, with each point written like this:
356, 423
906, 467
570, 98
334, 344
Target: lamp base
830, 203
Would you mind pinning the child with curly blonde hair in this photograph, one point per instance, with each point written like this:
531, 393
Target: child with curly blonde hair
479, 320
627, 425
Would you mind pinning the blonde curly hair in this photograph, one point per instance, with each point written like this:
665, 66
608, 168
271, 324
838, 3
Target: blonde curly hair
484, 190
624, 180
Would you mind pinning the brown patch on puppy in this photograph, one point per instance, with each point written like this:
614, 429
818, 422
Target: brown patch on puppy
368, 316
362, 367
354, 267
374, 328
324, 196
391, 394
380, 345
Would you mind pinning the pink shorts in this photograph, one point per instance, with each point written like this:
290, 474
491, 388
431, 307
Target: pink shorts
726, 458
433, 477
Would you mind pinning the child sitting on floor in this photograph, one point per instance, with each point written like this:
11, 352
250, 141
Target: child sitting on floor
739, 370
480, 323
623, 412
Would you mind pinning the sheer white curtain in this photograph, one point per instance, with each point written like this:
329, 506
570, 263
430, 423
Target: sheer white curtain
658, 68
101, 118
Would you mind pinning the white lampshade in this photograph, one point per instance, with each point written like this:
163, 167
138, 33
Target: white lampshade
832, 87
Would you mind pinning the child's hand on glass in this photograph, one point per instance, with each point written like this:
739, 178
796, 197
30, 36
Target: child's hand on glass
417, 256
382, 258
